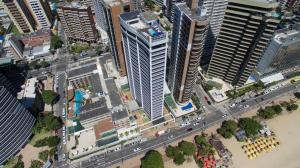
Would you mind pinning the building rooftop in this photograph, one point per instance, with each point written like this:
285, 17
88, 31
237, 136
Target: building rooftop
145, 23
5, 61
196, 14
73, 4
102, 127
288, 36
95, 109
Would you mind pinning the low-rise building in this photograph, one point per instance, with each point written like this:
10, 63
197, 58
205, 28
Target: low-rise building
37, 38
13, 47
106, 133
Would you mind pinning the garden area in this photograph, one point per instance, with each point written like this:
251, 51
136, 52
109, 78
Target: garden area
79, 47
38, 64
243, 90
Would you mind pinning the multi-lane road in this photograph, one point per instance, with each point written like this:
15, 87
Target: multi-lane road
106, 160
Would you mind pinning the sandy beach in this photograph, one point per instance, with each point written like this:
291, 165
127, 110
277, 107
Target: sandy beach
286, 155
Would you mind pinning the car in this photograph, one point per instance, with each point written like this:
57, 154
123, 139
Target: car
171, 137
206, 98
64, 141
198, 118
224, 115
118, 148
189, 129
246, 106
137, 149
232, 105
64, 128
208, 102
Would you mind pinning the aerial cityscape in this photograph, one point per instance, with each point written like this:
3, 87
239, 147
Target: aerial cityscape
149, 83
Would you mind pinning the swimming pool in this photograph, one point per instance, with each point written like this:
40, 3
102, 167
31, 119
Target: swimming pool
78, 101
187, 107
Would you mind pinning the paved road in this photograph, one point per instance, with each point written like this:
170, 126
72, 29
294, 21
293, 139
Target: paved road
201, 93
103, 160
60, 89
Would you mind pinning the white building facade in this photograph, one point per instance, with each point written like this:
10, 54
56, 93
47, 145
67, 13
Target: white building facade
145, 47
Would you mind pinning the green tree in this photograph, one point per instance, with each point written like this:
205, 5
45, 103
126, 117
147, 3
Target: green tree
45, 64
55, 42
250, 126
51, 122
44, 155
152, 159
34, 65
49, 96
179, 159
292, 107
149, 4
188, 148
266, 113
36, 164
172, 151
52, 152
227, 129
199, 139
161, 15
53, 141
277, 109
2, 30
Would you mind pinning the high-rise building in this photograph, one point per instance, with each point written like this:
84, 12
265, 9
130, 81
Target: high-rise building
15, 126
215, 11
99, 14
189, 33
246, 31
20, 15
41, 12
282, 53
111, 10
13, 47
145, 46
170, 7
77, 21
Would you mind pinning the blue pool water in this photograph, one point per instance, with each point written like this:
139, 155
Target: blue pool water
187, 107
78, 101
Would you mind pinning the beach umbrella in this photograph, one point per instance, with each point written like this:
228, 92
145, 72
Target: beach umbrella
250, 157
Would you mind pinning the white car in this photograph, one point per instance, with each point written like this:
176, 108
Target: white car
246, 106
232, 105
64, 141
199, 118
118, 148
196, 123
137, 149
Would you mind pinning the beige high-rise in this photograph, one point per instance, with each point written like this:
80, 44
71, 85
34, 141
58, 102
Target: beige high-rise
246, 30
20, 15
112, 10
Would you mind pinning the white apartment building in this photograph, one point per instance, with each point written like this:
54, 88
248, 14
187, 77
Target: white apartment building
145, 46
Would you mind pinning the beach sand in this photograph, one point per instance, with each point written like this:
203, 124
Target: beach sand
286, 155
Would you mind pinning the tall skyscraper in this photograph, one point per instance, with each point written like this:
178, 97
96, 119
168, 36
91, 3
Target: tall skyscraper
189, 33
170, 7
15, 126
215, 11
282, 53
99, 14
41, 12
77, 21
20, 15
111, 10
245, 32
145, 46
